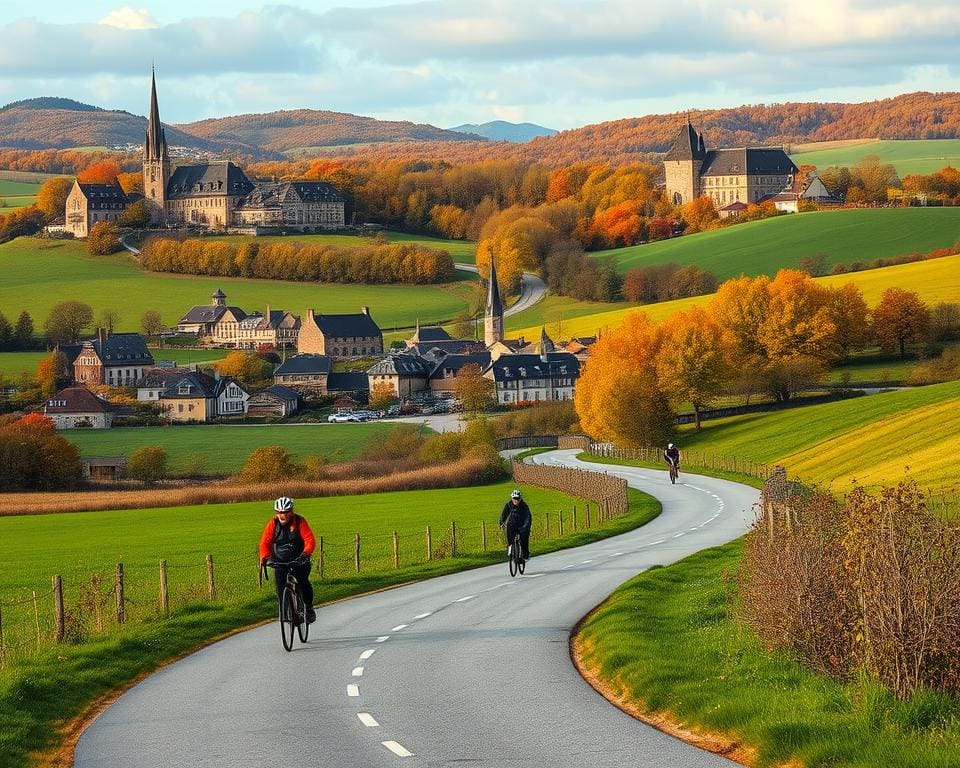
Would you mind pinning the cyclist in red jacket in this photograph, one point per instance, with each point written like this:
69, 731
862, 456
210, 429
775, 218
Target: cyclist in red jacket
287, 538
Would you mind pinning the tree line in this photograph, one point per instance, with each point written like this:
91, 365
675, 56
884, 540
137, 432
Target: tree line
774, 335
379, 262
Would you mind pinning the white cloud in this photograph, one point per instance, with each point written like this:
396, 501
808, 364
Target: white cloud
129, 18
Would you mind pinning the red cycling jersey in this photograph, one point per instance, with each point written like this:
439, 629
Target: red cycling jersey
296, 524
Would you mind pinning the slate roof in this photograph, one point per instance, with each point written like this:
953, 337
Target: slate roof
520, 367
103, 196
450, 365
76, 400
452, 347
400, 365
206, 179
123, 349
751, 161
158, 378
348, 382
494, 302
281, 392
303, 364
341, 326
200, 385
431, 333
210, 314
736, 205
688, 145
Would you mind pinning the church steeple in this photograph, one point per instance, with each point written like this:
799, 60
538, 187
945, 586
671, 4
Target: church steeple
493, 318
155, 147
156, 160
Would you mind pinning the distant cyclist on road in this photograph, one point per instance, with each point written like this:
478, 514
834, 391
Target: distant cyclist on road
672, 456
516, 516
287, 538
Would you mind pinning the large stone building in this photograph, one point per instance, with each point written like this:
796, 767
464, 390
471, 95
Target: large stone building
340, 336
226, 326
115, 359
214, 195
746, 175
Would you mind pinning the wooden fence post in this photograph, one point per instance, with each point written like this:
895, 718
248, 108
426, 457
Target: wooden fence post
96, 585
429, 544
573, 517
320, 560
453, 538
483, 535
58, 631
36, 616
546, 521
118, 594
586, 519
356, 551
211, 584
396, 550
560, 521
164, 593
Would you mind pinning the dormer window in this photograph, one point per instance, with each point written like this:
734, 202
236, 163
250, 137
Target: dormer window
184, 389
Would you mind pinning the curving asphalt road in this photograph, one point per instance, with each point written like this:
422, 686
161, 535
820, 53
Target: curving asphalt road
532, 290
470, 668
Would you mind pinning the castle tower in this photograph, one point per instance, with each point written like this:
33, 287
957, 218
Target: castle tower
220, 299
493, 317
156, 161
683, 164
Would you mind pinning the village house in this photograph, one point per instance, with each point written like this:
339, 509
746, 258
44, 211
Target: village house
275, 400
340, 336
115, 359
224, 326
88, 204
77, 407
534, 378
307, 374
443, 377
405, 373
196, 397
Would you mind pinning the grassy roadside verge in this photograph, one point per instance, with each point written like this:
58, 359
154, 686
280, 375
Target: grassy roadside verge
45, 697
667, 647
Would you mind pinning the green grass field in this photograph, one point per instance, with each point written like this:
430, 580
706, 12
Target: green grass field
937, 280
921, 156
763, 247
9, 188
668, 641
222, 449
38, 273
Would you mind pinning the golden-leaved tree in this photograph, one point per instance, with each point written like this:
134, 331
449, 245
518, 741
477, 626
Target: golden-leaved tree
694, 364
618, 396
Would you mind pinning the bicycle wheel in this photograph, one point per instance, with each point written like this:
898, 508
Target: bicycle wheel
673, 475
287, 618
518, 547
303, 626
512, 560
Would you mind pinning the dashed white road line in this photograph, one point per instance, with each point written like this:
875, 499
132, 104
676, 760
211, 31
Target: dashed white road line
397, 749
399, 627
367, 654
367, 720
586, 561
464, 599
382, 639
423, 615
569, 566
357, 672
679, 535
353, 690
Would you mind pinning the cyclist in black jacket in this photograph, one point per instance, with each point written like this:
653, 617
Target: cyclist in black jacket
516, 515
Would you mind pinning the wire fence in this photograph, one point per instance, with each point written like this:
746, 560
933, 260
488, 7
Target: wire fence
691, 460
84, 605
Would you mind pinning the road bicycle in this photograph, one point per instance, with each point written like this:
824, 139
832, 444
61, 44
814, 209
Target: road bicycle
515, 556
291, 609
674, 472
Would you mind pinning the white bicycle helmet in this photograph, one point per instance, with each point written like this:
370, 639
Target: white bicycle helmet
516, 494
283, 504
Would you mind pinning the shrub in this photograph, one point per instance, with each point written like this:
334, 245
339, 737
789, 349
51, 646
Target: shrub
271, 463
148, 464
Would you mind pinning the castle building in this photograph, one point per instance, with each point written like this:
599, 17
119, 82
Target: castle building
745, 175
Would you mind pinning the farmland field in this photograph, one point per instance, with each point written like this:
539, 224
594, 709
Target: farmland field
919, 156
763, 247
935, 281
38, 273
16, 194
222, 449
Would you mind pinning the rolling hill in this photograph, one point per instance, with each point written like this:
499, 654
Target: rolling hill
908, 156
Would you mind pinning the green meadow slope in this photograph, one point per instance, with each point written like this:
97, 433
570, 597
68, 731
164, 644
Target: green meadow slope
922, 156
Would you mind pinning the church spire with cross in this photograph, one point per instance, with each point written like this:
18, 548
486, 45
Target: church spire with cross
493, 317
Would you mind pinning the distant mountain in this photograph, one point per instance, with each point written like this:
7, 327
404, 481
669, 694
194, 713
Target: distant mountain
501, 130
51, 102
304, 131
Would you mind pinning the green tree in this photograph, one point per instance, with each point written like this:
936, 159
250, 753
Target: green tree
23, 331
901, 316
148, 464
136, 215
66, 321
6, 333
474, 391
152, 323
108, 318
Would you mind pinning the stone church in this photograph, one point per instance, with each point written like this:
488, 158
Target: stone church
214, 195
744, 175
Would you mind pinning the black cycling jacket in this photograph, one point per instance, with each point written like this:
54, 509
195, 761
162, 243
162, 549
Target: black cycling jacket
517, 515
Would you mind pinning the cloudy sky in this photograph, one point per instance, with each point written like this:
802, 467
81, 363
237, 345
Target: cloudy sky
559, 63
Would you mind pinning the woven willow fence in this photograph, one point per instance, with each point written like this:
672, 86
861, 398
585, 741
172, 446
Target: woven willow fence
691, 460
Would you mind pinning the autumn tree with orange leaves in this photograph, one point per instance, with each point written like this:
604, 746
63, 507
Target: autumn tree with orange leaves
694, 362
618, 396
901, 316
104, 172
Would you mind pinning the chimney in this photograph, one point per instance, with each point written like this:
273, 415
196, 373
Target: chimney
101, 336
268, 314
365, 310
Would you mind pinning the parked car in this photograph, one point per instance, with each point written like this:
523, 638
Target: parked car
340, 418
